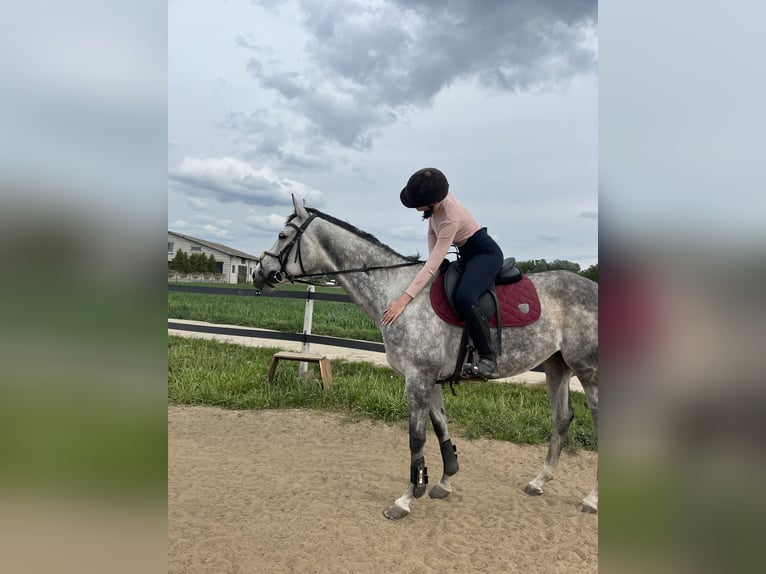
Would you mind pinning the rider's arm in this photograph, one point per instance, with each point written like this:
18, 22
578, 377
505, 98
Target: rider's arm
431, 238
442, 241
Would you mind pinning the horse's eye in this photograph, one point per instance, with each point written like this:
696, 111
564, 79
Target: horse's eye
282, 236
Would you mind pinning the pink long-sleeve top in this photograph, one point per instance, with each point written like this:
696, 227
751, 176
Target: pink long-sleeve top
451, 225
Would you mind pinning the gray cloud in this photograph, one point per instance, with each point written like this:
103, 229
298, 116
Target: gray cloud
269, 223
371, 63
267, 137
549, 236
311, 86
229, 179
196, 203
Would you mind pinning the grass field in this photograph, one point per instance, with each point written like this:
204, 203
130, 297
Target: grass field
208, 372
330, 318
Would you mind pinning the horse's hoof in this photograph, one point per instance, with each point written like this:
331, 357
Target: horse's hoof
588, 509
533, 490
395, 513
439, 492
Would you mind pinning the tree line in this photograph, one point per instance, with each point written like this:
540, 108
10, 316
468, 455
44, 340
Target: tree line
200, 263
194, 263
538, 265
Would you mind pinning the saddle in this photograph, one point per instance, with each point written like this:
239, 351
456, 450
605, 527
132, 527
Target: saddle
510, 302
488, 303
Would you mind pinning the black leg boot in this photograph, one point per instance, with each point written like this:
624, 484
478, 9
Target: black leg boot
478, 329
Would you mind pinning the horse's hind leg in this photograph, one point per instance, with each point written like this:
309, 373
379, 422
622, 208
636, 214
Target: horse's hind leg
449, 454
589, 380
557, 375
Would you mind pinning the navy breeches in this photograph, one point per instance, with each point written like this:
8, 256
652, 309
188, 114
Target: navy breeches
484, 259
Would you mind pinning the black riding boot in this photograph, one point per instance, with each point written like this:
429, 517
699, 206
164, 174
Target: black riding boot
478, 329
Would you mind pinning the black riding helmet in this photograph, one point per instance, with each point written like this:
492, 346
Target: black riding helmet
425, 187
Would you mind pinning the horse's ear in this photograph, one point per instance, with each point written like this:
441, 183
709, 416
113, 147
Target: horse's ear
300, 210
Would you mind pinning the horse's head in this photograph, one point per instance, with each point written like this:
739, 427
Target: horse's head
290, 256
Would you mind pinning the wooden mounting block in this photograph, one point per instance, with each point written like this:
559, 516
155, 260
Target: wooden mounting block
324, 365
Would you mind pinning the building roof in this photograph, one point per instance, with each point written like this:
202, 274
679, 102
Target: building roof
217, 246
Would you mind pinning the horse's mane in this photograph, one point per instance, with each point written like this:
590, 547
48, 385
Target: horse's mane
356, 231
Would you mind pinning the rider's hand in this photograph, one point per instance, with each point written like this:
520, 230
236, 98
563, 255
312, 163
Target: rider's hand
395, 309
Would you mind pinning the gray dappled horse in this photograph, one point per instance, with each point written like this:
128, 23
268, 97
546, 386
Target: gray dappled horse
423, 348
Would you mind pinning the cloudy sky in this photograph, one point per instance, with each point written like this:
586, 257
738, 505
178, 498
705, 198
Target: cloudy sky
340, 101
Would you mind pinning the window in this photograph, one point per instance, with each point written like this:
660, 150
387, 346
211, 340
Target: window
170, 247
196, 248
233, 269
242, 260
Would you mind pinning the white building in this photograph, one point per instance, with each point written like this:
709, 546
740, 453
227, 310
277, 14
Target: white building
234, 266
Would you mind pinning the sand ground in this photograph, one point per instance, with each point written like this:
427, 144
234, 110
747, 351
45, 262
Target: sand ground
303, 492
300, 491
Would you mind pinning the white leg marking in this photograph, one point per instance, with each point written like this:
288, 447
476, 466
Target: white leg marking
401, 507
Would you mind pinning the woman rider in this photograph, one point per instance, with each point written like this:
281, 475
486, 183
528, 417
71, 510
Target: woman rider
450, 223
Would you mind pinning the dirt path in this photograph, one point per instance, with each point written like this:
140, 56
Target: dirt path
303, 492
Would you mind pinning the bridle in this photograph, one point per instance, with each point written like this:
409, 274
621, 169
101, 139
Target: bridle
276, 277
284, 253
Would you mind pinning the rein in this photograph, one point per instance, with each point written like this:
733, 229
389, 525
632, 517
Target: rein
364, 269
284, 253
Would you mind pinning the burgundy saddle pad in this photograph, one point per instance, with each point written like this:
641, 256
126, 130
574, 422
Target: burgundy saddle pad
519, 304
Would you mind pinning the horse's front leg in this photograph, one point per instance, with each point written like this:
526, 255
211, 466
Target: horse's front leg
418, 400
449, 452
